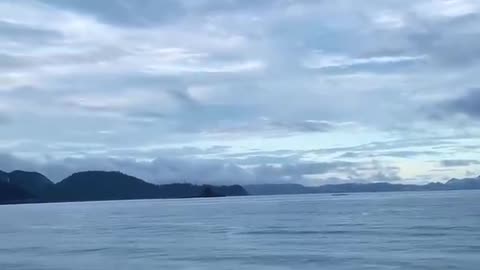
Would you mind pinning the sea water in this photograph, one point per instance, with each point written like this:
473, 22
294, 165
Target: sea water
411, 230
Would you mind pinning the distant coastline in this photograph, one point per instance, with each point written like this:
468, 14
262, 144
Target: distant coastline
20, 187
279, 189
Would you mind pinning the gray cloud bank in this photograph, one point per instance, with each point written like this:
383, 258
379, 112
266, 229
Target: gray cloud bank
212, 171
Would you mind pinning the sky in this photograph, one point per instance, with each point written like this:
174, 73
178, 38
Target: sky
239, 91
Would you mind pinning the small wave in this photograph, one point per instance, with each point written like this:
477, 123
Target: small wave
300, 232
427, 234
440, 228
282, 232
84, 250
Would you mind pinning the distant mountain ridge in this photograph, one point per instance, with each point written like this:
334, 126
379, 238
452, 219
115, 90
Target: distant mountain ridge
21, 186
278, 189
28, 187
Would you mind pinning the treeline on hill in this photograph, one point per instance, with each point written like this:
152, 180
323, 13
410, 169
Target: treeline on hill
32, 187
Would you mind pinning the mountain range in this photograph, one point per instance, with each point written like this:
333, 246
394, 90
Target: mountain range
33, 187
277, 189
29, 187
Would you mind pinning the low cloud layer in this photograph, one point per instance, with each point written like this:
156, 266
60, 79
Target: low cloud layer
458, 162
212, 171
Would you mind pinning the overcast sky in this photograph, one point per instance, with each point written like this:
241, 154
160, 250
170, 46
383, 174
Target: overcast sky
239, 91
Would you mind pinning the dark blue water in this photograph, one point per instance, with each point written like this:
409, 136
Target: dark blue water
435, 230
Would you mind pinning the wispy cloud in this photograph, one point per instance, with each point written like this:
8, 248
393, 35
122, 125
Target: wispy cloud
447, 8
319, 60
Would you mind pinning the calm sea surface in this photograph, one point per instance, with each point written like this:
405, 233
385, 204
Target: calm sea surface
432, 230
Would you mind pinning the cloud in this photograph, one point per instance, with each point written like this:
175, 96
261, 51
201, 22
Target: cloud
278, 127
394, 154
396, 147
4, 119
458, 162
467, 104
306, 125
20, 33
124, 12
201, 170
300, 169
323, 61
316, 78
447, 8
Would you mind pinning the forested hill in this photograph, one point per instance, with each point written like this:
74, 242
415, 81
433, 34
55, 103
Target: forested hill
21, 186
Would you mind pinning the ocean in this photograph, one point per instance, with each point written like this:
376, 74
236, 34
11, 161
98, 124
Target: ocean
409, 230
